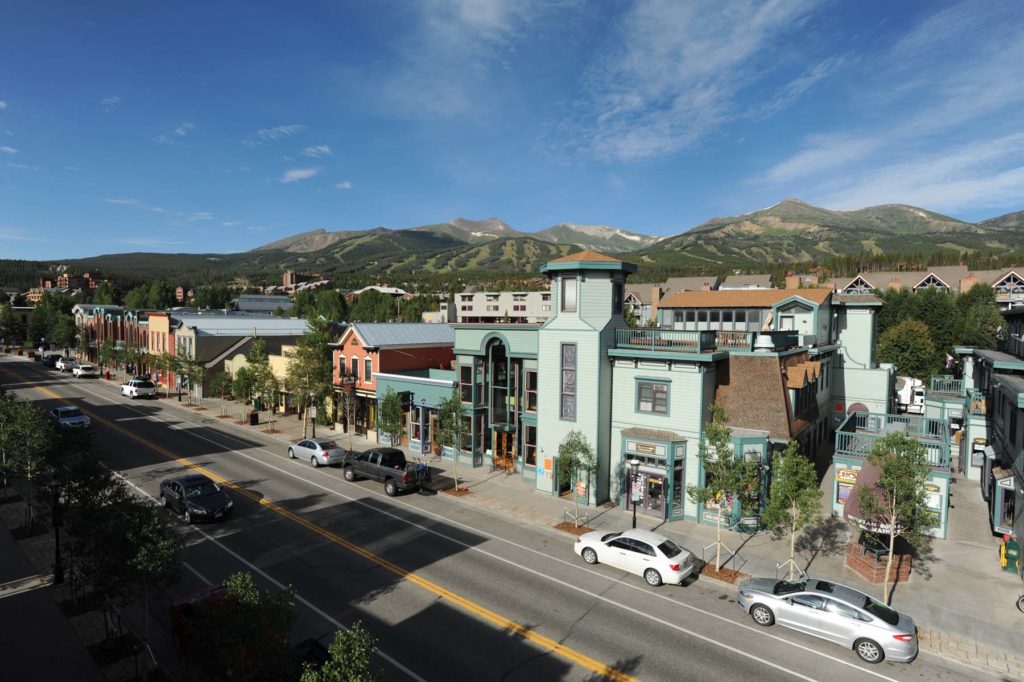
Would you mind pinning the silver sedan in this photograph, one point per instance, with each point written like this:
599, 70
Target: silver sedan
839, 614
319, 451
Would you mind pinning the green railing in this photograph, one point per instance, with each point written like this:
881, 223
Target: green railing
974, 402
688, 341
858, 434
947, 385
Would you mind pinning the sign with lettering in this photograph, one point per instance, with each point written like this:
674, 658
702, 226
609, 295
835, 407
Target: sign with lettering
844, 475
932, 488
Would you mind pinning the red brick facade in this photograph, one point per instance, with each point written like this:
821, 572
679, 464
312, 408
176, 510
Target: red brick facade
874, 569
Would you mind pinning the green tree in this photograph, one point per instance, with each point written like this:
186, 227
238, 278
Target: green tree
244, 636
794, 500
896, 309
10, 326
220, 385
390, 417
137, 298
575, 461
629, 316
897, 504
213, 296
908, 345
452, 428
310, 372
938, 310
373, 306
331, 305
242, 388
979, 325
725, 474
106, 355
63, 331
161, 295
264, 383
32, 457
350, 656
413, 309
104, 294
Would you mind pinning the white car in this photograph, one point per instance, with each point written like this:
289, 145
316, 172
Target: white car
65, 364
69, 417
138, 388
85, 371
645, 553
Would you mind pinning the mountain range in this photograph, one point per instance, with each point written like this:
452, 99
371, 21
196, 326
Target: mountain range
789, 232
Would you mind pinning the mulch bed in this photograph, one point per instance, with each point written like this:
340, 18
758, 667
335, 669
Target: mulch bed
724, 574
223, 416
456, 492
570, 527
271, 430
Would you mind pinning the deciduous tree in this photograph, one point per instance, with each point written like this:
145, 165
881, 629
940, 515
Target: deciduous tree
350, 656
908, 345
794, 500
309, 377
390, 416
576, 462
452, 428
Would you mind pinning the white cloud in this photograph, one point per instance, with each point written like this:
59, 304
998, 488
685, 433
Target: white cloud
344, 185
17, 234
3, 104
824, 152
801, 85
183, 129
132, 202
672, 74
296, 174
109, 103
318, 151
22, 166
8, 150
231, 223
264, 135
200, 215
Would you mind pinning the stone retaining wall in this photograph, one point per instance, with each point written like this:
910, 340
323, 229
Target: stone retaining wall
874, 570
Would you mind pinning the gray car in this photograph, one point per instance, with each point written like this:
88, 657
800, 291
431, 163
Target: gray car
69, 417
839, 614
319, 451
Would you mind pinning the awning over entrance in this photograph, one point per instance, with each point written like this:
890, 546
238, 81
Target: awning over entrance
867, 479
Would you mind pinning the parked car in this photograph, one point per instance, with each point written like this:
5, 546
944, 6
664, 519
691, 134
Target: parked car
833, 612
69, 417
195, 497
50, 359
387, 465
65, 363
138, 388
319, 451
643, 552
84, 370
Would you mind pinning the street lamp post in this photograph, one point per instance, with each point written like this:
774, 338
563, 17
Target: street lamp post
634, 467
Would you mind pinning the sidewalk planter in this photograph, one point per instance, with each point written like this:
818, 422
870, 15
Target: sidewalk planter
873, 570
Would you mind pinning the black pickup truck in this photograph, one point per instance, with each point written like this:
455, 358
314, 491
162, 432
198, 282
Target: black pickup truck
387, 465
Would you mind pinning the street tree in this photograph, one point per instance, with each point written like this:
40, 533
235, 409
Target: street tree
908, 345
897, 504
575, 462
350, 408
794, 500
726, 476
390, 416
349, 658
242, 388
32, 435
220, 385
310, 372
452, 428
64, 331
244, 636
106, 354
10, 325
167, 363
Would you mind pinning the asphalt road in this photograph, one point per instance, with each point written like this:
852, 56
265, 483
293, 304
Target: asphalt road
452, 593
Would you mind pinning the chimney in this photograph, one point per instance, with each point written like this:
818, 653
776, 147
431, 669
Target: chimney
655, 301
792, 281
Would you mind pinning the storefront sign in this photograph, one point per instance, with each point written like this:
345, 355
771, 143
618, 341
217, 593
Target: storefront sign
846, 475
932, 488
638, 489
581, 489
641, 448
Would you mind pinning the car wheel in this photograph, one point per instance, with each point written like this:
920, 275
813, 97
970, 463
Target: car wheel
589, 555
868, 651
652, 577
762, 615
291, 453
390, 489
188, 517
314, 462
349, 474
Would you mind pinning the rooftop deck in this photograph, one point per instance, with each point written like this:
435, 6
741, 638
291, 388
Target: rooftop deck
858, 434
679, 341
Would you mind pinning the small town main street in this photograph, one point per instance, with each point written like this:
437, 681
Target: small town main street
452, 592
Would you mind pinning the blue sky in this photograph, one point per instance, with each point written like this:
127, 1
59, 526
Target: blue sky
221, 126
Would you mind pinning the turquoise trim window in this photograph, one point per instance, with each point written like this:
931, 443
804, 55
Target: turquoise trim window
652, 397
568, 402
569, 294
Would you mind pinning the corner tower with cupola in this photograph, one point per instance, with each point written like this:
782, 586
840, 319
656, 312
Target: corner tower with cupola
575, 373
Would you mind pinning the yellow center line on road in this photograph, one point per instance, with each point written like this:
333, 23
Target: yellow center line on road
504, 623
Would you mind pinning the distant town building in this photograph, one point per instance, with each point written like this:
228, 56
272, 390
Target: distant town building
514, 307
733, 282
257, 304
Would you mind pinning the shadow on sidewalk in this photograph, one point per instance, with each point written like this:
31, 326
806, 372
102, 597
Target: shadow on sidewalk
824, 539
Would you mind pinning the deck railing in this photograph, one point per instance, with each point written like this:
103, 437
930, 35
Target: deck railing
858, 434
689, 341
947, 384
975, 402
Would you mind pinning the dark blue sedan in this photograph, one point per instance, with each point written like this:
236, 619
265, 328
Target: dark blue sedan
195, 497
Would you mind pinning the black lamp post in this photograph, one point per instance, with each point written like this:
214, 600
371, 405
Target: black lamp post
634, 467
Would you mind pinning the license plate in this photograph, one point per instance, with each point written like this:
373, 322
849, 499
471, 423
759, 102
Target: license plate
218, 515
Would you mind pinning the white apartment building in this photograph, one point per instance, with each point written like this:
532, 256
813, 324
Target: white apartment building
515, 307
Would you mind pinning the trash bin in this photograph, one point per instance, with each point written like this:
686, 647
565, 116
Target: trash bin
1009, 555
254, 418
106, 375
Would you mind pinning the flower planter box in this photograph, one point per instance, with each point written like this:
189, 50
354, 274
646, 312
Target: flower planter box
872, 569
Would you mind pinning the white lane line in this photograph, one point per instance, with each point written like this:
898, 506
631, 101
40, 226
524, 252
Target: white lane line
298, 597
197, 573
509, 562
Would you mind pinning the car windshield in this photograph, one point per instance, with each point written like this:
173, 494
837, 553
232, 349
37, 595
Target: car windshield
200, 489
328, 444
610, 536
73, 412
670, 549
144, 384
789, 586
879, 609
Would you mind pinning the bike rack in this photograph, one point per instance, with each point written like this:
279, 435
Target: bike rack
568, 515
728, 553
787, 562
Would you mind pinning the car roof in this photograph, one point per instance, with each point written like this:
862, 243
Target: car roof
192, 478
65, 408
847, 594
